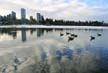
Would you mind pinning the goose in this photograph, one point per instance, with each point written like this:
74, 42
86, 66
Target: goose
70, 39
75, 35
72, 34
99, 34
92, 38
67, 33
61, 34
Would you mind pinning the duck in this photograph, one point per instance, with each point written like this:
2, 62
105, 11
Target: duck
67, 33
70, 39
72, 34
92, 38
61, 34
75, 35
99, 34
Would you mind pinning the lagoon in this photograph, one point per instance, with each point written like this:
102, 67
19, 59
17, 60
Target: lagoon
45, 50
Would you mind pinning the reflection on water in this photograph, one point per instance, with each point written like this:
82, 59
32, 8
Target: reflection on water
40, 32
23, 31
54, 50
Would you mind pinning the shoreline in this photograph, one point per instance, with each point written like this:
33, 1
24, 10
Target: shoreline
54, 27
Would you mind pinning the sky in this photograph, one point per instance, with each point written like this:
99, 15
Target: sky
83, 10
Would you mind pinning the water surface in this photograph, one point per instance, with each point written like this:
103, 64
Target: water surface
54, 50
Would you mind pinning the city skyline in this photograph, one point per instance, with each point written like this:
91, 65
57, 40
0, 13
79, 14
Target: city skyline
59, 9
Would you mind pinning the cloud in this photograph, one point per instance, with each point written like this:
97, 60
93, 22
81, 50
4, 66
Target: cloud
58, 9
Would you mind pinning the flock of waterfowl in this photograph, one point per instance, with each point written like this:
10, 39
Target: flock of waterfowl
72, 36
93, 37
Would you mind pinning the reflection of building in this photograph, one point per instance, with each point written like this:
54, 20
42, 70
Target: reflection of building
40, 18
40, 32
23, 16
23, 31
11, 33
43, 56
13, 15
14, 34
32, 31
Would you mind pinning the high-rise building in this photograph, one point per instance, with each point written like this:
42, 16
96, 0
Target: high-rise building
13, 15
0, 19
23, 16
31, 17
9, 16
40, 18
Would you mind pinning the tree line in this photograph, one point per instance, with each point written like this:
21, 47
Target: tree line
7, 20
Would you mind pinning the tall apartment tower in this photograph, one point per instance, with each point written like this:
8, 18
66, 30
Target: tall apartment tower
23, 16
0, 19
40, 18
13, 15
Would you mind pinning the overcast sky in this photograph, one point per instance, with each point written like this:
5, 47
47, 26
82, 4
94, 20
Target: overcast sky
59, 9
